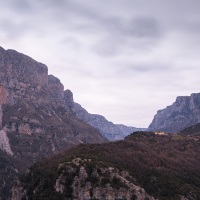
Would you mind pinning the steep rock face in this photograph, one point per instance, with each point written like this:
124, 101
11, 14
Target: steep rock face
108, 129
184, 112
22, 77
32, 103
56, 91
35, 121
39, 132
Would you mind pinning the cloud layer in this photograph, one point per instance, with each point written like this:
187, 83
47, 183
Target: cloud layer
122, 59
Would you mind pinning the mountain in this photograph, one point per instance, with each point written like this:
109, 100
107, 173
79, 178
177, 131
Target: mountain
193, 130
107, 129
184, 112
143, 166
35, 121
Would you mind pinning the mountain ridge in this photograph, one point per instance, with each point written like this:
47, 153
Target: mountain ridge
184, 112
108, 129
35, 121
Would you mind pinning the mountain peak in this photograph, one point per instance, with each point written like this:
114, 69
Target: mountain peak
69, 99
184, 112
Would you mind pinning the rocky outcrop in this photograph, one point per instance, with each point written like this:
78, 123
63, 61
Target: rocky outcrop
17, 192
3, 95
76, 180
4, 143
100, 183
108, 129
184, 112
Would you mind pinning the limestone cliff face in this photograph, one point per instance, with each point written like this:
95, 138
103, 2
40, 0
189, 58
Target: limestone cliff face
22, 77
56, 92
108, 129
184, 112
32, 103
35, 121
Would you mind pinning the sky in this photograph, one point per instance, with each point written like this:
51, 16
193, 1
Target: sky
123, 59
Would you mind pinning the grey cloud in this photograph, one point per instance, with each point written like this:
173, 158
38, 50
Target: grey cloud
24, 6
20, 7
72, 11
13, 30
72, 42
139, 27
146, 68
152, 69
137, 34
76, 16
144, 27
109, 46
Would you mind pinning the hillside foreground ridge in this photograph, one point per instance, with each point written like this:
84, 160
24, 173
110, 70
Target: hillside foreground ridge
133, 168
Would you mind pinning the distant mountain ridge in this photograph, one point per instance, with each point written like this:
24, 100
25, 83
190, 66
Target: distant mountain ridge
184, 112
108, 129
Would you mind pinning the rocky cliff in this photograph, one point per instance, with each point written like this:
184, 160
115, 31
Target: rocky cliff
35, 121
108, 129
184, 112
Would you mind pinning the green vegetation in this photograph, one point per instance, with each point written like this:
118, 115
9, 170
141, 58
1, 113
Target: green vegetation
166, 166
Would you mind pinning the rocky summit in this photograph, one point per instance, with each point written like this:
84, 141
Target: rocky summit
108, 129
35, 121
184, 112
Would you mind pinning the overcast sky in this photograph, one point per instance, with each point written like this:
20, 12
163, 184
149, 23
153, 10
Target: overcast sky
124, 59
